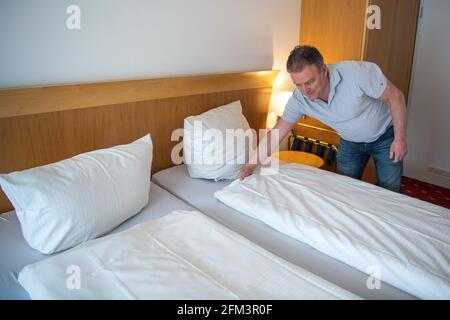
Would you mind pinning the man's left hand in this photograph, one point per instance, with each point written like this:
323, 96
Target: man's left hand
398, 150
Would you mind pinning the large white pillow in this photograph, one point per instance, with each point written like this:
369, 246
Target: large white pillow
208, 156
65, 203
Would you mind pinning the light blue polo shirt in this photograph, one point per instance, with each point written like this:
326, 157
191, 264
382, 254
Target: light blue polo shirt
353, 108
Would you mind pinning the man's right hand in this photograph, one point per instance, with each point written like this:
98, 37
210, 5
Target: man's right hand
247, 170
265, 148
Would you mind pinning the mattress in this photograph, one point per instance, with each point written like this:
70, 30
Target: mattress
15, 253
199, 193
182, 255
370, 228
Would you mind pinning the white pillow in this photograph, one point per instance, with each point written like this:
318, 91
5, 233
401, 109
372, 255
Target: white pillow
65, 203
208, 152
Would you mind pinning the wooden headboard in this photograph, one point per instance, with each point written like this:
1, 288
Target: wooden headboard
42, 125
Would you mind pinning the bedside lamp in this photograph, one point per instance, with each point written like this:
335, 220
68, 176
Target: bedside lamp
281, 92
282, 100
278, 109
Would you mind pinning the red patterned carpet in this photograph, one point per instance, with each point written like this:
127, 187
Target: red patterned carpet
426, 192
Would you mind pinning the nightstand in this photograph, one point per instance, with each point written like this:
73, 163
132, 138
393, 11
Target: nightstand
299, 157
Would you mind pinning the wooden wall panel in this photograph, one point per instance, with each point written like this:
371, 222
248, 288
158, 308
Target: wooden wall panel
335, 27
36, 139
14, 102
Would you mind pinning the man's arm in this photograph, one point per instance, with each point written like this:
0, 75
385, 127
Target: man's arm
397, 103
264, 149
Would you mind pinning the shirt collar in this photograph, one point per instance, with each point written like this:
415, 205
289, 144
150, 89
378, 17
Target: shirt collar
335, 78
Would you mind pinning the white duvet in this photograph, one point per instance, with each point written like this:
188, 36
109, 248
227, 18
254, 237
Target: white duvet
402, 240
183, 255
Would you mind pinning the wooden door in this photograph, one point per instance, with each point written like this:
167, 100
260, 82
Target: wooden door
392, 46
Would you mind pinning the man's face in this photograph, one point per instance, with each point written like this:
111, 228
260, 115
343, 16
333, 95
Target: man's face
311, 81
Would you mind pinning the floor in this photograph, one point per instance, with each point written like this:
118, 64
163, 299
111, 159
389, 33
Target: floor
426, 192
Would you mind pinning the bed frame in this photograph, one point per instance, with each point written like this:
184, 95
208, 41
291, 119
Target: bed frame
41, 125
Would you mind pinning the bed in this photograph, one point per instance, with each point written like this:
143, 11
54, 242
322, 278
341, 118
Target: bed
199, 193
404, 240
36, 128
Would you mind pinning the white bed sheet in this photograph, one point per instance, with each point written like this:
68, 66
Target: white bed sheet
183, 255
15, 253
199, 193
406, 240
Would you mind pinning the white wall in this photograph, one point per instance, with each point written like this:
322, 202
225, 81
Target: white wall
429, 101
129, 39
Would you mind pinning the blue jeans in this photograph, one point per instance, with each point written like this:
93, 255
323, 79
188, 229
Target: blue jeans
353, 156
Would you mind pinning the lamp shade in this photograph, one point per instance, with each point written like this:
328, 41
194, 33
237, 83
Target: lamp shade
281, 92
282, 100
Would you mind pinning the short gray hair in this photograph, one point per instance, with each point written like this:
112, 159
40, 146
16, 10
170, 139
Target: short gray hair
302, 56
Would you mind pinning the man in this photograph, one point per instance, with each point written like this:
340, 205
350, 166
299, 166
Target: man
355, 99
